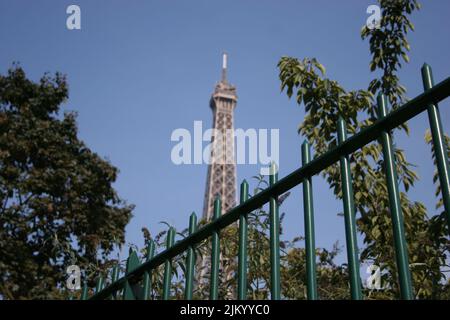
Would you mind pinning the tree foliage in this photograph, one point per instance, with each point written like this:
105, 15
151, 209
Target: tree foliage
57, 203
325, 100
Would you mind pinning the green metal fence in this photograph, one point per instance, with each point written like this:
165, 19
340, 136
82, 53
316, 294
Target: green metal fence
136, 282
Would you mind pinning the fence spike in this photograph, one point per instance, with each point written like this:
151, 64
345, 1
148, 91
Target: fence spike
85, 291
215, 246
148, 274
439, 143
130, 291
99, 285
242, 257
349, 217
274, 238
168, 265
114, 277
310, 246
401, 250
190, 260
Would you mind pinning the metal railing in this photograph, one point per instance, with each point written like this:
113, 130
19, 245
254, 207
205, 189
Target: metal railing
136, 282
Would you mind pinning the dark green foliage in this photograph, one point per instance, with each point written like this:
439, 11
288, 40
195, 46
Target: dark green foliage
58, 206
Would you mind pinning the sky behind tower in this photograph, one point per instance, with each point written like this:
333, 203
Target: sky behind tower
137, 70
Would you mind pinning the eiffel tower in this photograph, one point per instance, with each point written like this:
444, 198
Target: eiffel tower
221, 178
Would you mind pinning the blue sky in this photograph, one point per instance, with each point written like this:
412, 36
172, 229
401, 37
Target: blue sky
137, 70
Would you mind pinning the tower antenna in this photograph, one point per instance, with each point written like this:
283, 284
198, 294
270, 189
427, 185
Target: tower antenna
224, 67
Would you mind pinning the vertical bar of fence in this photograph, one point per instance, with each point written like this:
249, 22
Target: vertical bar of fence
439, 143
129, 291
242, 257
115, 273
401, 249
168, 265
99, 285
114, 277
274, 238
310, 246
349, 217
214, 284
84, 292
190, 260
148, 274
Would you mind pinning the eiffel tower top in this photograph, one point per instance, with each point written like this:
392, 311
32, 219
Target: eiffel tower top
224, 88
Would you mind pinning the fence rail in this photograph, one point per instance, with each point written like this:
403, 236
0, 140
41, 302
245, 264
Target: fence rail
137, 272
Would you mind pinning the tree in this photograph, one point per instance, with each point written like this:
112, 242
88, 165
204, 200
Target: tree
58, 206
325, 100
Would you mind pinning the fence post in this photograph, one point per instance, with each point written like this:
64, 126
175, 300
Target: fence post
214, 284
168, 265
401, 250
148, 275
242, 262
114, 277
310, 246
130, 291
99, 285
274, 238
439, 143
349, 216
190, 260
84, 292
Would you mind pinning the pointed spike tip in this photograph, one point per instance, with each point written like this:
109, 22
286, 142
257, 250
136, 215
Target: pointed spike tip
426, 66
381, 98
